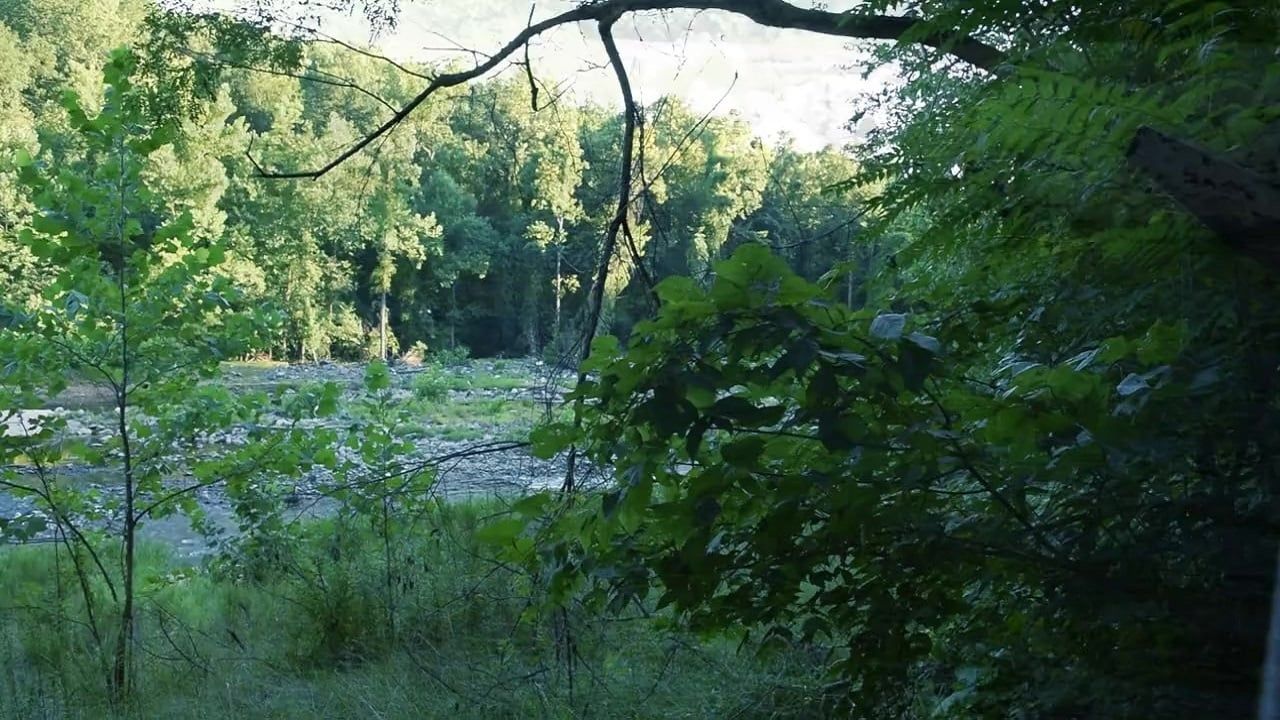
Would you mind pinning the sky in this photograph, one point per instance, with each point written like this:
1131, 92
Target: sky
780, 81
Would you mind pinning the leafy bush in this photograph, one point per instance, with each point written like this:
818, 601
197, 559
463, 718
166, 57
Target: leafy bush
347, 334
373, 345
451, 356
431, 384
415, 355
827, 476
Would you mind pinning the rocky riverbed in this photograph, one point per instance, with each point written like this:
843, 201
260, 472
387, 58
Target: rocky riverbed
492, 404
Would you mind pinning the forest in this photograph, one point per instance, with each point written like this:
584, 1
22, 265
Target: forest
337, 384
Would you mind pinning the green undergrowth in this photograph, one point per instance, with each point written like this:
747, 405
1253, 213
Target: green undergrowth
473, 418
333, 622
438, 380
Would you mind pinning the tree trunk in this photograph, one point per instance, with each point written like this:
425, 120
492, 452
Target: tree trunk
849, 276
559, 289
120, 675
382, 327
1238, 204
453, 315
388, 576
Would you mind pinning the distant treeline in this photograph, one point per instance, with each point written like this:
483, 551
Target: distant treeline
478, 221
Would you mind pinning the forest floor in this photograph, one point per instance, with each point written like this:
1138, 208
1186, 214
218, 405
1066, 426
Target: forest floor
472, 404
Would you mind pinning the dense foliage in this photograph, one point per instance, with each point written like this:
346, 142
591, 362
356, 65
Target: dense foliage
1035, 475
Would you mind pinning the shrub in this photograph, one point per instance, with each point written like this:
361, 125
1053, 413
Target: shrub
451, 357
347, 334
431, 385
373, 343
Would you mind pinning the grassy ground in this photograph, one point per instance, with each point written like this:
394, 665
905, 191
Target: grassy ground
479, 402
313, 629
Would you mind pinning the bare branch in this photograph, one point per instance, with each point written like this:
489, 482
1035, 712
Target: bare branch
528, 64
630, 121
694, 132
324, 37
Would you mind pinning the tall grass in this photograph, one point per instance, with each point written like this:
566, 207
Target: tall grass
324, 627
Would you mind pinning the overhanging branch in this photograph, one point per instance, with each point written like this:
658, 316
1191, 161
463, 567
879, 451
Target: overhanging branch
770, 13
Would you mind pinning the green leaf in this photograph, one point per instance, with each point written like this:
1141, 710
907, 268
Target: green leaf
693, 439
679, 289
330, 394
924, 342
377, 376
849, 359
915, 364
740, 410
888, 326
609, 503
831, 432
24, 527
501, 532
706, 511
604, 350
74, 302
743, 452
532, 506
1132, 383
548, 440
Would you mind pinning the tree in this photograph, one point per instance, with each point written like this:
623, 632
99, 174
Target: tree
17, 133
556, 172
305, 246
400, 235
711, 179
806, 219
137, 308
468, 238
776, 13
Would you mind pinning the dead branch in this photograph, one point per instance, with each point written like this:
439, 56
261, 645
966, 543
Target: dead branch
528, 64
326, 38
